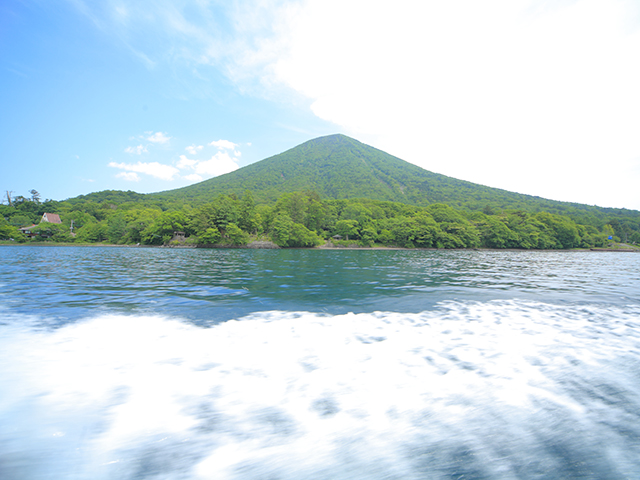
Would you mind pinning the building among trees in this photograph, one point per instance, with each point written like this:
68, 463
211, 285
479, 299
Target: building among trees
51, 218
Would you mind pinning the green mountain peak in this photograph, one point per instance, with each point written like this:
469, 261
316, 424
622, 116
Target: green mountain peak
338, 166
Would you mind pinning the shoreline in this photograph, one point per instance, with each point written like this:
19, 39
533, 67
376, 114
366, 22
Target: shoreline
262, 245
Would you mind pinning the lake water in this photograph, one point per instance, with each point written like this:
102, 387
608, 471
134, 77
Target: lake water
139, 363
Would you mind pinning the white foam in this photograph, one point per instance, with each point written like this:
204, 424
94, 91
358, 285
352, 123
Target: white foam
299, 395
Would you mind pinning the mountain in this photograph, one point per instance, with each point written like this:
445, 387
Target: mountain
337, 166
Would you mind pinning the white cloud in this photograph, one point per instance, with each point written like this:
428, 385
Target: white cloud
218, 164
524, 95
193, 149
528, 95
159, 137
185, 162
193, 177
128, 176
139, 150
223, 144
154, 169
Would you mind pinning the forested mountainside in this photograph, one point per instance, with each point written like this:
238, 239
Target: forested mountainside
304, 219
325, 187
337, 166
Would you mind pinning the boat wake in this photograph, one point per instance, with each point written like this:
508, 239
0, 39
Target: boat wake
500, 389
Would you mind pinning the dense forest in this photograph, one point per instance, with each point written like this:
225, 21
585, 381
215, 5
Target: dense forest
303, 219
331, 188
337, 166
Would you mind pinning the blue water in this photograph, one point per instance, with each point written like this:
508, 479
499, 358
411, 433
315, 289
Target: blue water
140, 363
209, 286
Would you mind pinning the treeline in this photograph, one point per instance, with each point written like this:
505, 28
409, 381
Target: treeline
303, 219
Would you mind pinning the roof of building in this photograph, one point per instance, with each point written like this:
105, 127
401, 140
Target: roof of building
51, 218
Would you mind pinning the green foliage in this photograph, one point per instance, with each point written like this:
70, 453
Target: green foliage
368, 236
116, 228
210, 236
339, 167
346, 229
281, 228
327, 186
235, 235
230, 220
161, 230
22, 220
137, 222
334, 178
52, 232
8, 231
92, 232
286, 233
248, 217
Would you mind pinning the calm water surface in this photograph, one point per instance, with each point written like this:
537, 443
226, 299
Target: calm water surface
136, 363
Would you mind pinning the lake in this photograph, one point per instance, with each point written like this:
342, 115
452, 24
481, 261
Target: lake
154, 363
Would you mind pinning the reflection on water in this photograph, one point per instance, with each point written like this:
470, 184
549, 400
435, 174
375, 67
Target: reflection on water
215, 285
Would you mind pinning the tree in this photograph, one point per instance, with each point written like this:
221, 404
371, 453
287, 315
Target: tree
345, 228
235, 235
20, 220
137, 222
8, 231
116, 228
35, 196
561, 228
404, 231
248, 218
294, 205
210, 236
301, 236
161, 230
316, 215
53, 232
286, 233
368, 236
494, 233
281, 229
92, 232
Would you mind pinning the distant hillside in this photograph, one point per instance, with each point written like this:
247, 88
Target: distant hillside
337, 166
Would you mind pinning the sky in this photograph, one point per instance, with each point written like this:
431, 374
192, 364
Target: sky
533, 96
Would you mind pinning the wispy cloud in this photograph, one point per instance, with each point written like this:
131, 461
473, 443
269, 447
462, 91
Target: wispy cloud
154, 169
223, 144
159, 137
185, 162
192, 36
128, 176
190, 169
194, 149
220, 163
139, 150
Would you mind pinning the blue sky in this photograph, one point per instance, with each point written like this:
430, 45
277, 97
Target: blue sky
532, 96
